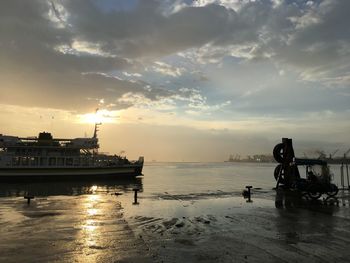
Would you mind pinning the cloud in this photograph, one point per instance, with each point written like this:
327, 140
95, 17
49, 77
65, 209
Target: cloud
138, 75
209, 74
186, 100
48, 47
315, 42
34, 72
167, 69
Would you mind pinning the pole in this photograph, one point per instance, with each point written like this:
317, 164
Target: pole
278, 178
249, 194
342, 175
135, 196
347, 174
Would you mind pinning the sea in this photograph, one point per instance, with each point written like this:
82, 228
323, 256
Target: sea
174, 211
171, 178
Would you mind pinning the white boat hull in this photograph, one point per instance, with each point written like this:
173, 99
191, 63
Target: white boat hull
70, 173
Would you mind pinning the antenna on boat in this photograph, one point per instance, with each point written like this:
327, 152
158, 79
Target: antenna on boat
96, 129
96, 126
95, 150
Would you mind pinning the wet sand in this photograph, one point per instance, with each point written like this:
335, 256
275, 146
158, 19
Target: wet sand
86, 228
212, 226
272, 228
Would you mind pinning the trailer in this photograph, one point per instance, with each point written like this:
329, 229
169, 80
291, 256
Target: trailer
317, 180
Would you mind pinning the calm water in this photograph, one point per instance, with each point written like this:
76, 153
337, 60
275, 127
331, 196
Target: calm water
168, 178
179, 205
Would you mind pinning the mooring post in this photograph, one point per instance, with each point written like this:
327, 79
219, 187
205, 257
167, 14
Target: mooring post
28, 197
249, 194
135, 195
279, 177
347, 175
342, 175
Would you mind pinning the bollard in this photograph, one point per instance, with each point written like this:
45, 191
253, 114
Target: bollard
342, 176
347, 175
28, 197
249, 194
135, 196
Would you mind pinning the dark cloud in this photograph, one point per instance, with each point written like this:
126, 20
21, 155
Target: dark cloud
145, 30
41, 65
302, 33
34, 72
313, 38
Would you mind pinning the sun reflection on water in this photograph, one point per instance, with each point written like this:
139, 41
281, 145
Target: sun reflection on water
92, 199
90, 225
92, 211
93, 188
91, 229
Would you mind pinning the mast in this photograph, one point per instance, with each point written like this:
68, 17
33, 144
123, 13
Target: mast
97, 124
96, 129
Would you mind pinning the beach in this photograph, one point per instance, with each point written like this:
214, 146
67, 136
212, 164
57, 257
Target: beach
173, 220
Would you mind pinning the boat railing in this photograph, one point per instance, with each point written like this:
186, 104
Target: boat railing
65, 161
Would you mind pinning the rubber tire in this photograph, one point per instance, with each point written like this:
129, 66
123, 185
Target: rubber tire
277, 154
313, 193
276, 173
333, 190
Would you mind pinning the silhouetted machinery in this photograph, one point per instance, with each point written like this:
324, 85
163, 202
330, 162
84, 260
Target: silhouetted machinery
317, 181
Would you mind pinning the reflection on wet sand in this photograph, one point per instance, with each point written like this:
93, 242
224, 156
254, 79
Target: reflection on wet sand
316, 229
70, 188
56, 227
227, 229
287, 199
90, 233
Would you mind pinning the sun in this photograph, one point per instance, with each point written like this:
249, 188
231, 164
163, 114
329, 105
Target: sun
100, 116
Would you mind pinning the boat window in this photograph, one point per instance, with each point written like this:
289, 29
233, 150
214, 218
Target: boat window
15, 161
42, 161
85, 162
25, 161
34, 161
52, 161
60, 161
76, 162
69, 161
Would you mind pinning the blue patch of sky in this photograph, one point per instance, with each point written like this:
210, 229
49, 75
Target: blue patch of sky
193, 77
225, 72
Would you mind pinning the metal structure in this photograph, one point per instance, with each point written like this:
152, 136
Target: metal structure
331, 155
287, 173
345, 154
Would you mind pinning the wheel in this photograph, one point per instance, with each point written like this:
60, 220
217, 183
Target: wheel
279, 171
333, 190
278, 153
301, 185
314, 192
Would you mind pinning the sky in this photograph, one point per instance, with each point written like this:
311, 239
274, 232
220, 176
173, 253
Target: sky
178, 80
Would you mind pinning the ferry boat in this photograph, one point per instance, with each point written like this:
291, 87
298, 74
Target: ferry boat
45, 157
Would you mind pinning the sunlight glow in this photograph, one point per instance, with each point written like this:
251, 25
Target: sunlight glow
92, 211
92, 198
93, 188
101, 116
